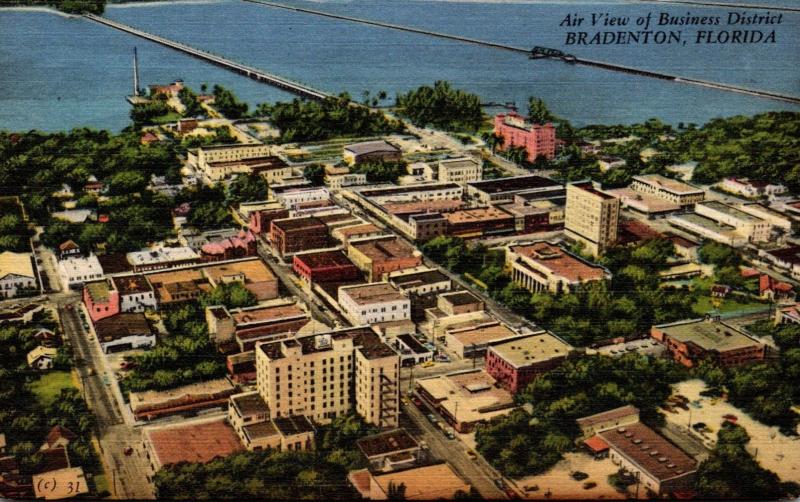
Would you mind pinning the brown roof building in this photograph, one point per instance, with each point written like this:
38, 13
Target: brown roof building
661, 467
543, 266
197, 442
292, 235
376, 257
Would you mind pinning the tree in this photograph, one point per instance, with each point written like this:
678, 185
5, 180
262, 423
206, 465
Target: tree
232, 295
731, 473
227, 104
442, 107
538, 111
314, 173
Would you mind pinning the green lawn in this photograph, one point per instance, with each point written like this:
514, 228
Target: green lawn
49, 386
703, 305
167, 118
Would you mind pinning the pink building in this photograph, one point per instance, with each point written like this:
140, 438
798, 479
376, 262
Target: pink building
539, 140
241, 245
101, 300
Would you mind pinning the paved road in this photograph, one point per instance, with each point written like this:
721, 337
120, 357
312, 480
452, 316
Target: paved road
127, 476
326, 316
452, 450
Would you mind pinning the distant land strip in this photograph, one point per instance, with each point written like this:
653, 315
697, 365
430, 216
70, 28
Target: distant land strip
705, 3
586, 62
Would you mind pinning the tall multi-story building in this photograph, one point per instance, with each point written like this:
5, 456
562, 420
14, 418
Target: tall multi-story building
539, 140
591, 217
326, 375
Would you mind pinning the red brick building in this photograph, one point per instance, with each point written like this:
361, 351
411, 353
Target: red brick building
292, 235
537, 139
260, 221
324, 266
516, 363
689, 342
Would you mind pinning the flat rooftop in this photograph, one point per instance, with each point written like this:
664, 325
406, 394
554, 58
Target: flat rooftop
298, 224
708, 335
406, 189
268, 313
249, 404
379, 292
122, 325
668, 184
192, 442
417, 279
430, 482
560, 262
460, 298
325, 260
422, 206
514, 184
789, 254
161, 255
98, 291
706, 223
384, 249
482, 214
254, 163
131, 284
643, 202
604, 416
588, 186
254, 270
470, 396
462, 163
730, 211
532, 350
651, 451
291, 425
481, 335
386, 443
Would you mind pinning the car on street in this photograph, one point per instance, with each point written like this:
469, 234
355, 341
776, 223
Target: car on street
427, 364
106, 379
432, 418
417, 402
128, 451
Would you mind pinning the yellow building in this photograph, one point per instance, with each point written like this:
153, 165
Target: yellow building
591, 217
314, 375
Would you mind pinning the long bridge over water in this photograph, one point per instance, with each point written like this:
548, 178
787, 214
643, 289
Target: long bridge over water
297, 88
574, 60
306, 91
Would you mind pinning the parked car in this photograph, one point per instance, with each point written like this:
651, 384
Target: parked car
417, 402
579, 475
128, 451
589, 485
471, 454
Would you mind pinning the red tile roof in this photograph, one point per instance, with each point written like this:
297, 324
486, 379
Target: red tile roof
596, 444
198, 443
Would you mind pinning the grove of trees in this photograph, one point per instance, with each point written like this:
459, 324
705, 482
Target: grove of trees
442, 107
332, 117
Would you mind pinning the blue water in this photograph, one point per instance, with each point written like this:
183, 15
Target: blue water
58, 72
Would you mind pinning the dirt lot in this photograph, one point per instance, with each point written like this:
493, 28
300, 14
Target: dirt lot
561, 486
773, 450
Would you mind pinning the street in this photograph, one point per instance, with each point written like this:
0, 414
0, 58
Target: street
127, 476
286, 277
475, 472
